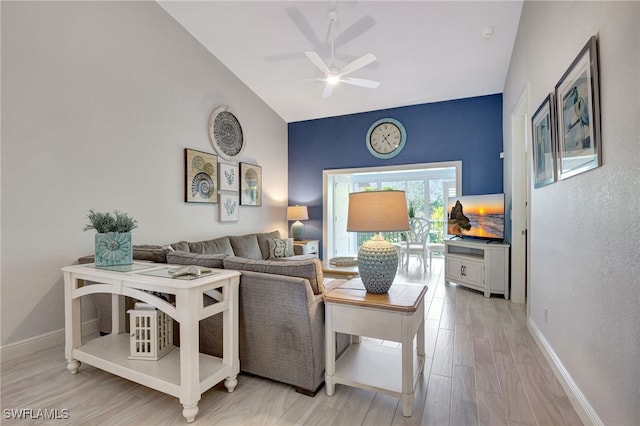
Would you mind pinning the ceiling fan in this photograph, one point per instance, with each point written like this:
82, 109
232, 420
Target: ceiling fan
333, 75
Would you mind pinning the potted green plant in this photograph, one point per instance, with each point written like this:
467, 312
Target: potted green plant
113, 238
412, 210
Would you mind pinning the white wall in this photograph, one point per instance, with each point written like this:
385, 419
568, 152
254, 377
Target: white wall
99, 100
585, 231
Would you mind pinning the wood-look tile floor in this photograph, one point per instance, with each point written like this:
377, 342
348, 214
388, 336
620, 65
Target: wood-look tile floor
482, 368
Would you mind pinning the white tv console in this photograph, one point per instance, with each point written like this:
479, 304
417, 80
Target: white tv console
478, 264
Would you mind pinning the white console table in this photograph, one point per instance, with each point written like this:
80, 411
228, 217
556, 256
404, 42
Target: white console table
184, 372
478, 264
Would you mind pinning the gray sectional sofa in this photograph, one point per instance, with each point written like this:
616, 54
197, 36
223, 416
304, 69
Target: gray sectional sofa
280, 308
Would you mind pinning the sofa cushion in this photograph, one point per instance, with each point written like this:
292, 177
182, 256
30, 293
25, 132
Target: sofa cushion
310, 269
207, 260
180, 246
262, 241
218, 246
279, 247
151, 253
246, 246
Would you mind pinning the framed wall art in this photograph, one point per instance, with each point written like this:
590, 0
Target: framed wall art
250, 185
578, 113
543, 131
201, 177
229, 208
228, 177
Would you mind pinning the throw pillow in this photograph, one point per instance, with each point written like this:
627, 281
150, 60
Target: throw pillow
279, 247
262, 242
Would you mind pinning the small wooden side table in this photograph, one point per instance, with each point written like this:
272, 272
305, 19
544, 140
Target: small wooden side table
398, 316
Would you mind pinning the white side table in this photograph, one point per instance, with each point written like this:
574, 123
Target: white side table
397, 316
184, 372
306, 247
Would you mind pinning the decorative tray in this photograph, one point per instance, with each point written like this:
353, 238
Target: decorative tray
343, 261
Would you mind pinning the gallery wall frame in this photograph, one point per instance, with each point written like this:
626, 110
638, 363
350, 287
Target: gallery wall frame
577, 95
228, 177
229, 208
250, 185
201, 177
543, 130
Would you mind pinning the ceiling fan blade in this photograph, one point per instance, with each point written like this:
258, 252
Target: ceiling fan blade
362, 61
362, 82
328, 89
317, 61
345, 57
354, 30
303, 25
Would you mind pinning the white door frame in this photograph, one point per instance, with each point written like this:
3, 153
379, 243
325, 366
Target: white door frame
327, 191
520, 196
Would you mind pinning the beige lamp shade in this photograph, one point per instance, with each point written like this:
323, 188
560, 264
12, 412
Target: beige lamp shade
377, 211
297, 213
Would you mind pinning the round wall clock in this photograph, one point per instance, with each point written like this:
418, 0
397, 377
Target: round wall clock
225, 133
386, 138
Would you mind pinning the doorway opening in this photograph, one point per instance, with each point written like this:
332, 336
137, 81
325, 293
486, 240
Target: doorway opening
427, 187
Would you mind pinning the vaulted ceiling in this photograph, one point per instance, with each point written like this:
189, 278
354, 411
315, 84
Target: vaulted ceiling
426, 51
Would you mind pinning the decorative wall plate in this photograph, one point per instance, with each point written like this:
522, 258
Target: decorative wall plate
225, 133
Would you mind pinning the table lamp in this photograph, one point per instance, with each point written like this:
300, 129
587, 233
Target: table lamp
297, 213
377, 211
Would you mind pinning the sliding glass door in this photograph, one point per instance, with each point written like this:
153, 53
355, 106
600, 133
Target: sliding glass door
427, 187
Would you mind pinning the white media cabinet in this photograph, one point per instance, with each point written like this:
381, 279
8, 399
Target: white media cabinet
478, 264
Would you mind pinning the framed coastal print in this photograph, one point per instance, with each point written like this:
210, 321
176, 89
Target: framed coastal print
228, 177
229, 209
578, 112
543, 131
201, 177
250, 185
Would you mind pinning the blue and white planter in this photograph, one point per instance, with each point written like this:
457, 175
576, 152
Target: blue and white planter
113, 248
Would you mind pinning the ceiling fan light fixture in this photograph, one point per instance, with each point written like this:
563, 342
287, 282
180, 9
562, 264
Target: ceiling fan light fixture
333, 79
332, 75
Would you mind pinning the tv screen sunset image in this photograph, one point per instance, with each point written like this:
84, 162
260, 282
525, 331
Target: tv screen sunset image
480, 216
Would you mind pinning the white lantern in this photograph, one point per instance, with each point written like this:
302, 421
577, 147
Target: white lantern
151, 332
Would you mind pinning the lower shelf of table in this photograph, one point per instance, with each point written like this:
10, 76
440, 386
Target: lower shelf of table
375, 367
110, 353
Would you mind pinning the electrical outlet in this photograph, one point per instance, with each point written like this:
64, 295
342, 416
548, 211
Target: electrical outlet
546, 316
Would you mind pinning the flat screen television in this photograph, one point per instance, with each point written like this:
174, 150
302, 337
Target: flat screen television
476, 216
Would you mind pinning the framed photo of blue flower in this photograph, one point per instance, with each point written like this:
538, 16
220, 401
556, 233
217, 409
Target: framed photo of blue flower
543, 125
201, 177
228, 177
578, 110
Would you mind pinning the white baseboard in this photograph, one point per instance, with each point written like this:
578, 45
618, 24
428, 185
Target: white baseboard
44, 341
586, 412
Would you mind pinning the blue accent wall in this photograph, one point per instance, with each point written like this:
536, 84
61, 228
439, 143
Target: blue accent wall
468, 129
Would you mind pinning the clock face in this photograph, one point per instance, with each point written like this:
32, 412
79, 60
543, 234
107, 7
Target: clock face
386, 138
225, 133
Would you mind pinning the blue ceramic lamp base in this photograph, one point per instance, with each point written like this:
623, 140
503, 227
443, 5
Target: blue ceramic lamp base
377, 264
297, 230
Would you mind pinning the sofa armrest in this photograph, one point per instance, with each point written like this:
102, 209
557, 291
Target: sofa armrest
281, 329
